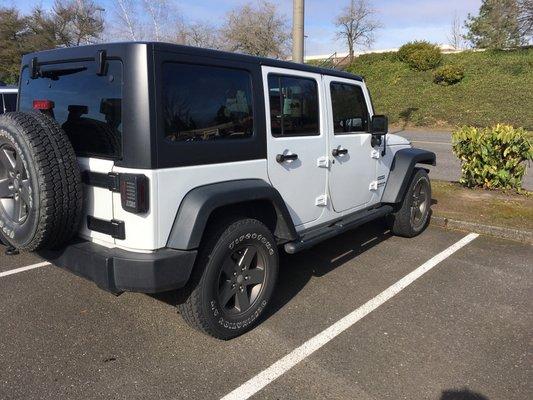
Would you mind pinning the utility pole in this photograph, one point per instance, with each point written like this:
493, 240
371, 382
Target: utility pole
298, 31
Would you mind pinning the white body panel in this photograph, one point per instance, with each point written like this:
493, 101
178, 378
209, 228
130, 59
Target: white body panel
97, 201
342, 186
350, 174
302, 181
167, 188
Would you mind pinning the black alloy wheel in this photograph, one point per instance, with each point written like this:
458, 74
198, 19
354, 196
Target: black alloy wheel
241, 279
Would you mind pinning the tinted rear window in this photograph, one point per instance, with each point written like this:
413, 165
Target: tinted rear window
87, 106
206, 103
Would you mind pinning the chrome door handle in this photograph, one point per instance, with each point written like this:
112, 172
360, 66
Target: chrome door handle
285, 157
338, 152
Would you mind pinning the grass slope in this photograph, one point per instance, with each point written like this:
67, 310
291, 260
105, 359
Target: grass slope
497, 88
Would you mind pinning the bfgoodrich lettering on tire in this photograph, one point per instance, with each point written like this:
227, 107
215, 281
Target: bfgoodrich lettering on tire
40, 184
235, 276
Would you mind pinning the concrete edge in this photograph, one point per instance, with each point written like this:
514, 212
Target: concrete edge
517, 235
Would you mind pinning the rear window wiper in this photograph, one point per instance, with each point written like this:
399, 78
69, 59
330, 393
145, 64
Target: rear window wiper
54, 74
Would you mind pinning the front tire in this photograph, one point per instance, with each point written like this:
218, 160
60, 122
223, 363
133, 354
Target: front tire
413, 216
233, 279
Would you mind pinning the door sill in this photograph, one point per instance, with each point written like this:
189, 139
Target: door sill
314, 236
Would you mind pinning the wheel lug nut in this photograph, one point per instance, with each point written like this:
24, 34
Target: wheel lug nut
246, 278
234, 274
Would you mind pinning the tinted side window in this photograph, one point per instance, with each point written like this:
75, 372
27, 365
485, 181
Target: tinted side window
87, 106
206, 103
349, 108
10, 101
293, 106
2, 110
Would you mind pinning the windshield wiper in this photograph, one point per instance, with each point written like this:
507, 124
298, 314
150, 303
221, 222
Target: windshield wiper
54, 74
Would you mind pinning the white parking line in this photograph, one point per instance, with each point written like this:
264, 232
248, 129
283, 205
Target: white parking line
281, 366
22, 269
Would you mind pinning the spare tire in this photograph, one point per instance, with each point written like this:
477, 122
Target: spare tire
40, 182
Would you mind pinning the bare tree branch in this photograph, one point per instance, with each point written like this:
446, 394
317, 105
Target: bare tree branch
125, 13
525, 19
199, 34
165, 19
456, 36
356, 25
257, 30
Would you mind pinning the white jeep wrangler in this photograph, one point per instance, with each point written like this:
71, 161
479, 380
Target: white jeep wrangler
149, 167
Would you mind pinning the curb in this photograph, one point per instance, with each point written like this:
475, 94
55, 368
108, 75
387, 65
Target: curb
497, 231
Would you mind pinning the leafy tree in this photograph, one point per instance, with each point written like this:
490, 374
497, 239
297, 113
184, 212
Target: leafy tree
257, 30
497, 25
69, 23
13, 32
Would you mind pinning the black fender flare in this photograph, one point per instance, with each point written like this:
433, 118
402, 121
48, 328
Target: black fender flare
198, 204
403, 165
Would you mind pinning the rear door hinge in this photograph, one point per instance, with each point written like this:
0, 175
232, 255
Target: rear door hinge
321, 200
373, 185
374, 153
322, 162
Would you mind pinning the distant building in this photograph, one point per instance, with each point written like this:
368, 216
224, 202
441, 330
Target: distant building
445, 48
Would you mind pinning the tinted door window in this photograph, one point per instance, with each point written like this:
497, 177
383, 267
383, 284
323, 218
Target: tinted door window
86, 105
10, 101
349, 108
205, 103
2, 109
293, 106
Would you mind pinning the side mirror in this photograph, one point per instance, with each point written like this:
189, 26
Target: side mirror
379, 125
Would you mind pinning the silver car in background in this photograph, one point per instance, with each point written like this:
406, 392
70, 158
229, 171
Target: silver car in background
8, 98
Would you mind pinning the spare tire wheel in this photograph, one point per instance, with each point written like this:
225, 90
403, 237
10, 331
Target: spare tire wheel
40, 182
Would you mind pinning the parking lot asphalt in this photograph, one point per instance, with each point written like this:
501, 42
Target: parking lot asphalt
461, 331
448, 167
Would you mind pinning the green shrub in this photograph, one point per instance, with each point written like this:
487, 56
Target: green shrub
448, 74
420, 55
494, 157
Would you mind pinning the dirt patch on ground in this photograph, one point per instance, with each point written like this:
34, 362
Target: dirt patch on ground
489, 207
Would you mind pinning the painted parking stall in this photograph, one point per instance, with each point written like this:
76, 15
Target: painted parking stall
62, 337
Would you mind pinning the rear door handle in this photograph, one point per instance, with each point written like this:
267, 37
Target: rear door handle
339, 151
285, 157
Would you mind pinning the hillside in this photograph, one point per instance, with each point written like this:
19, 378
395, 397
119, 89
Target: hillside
497, 87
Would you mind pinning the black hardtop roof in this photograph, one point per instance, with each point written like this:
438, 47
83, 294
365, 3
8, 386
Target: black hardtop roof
89, 51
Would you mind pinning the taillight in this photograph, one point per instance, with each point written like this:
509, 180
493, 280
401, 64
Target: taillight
134, 192
44, 105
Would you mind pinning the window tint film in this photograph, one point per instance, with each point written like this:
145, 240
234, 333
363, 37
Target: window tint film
349, 108
86, 105
293, 106
2, 109
206, 103
10, 101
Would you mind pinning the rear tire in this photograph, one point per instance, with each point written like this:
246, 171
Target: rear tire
413, 216
233, 279
40, 183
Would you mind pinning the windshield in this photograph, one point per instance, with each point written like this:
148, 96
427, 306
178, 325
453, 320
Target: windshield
86, 105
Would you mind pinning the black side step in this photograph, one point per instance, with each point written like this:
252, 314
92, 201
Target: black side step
351, 222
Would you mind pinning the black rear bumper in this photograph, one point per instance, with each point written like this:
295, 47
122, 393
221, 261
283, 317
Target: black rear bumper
118, 270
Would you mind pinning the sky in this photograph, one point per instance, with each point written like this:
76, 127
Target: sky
402, 20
